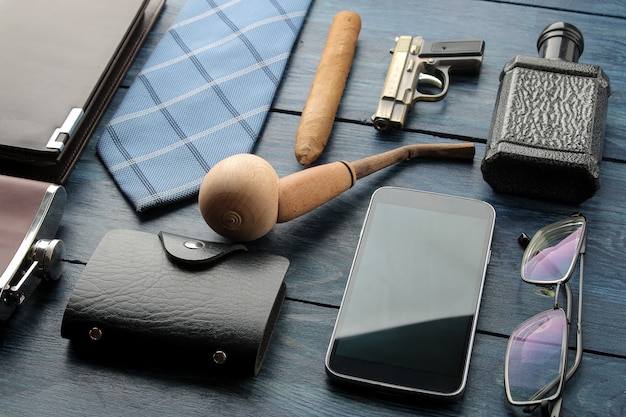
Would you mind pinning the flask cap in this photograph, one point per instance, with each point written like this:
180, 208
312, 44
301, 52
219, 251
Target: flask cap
562, 41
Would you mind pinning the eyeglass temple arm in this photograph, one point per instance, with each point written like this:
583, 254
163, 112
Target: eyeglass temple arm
551, 408
579, 325
579, 320
579, 339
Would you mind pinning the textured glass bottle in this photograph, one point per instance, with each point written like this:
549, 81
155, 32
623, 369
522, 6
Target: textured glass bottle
547, 130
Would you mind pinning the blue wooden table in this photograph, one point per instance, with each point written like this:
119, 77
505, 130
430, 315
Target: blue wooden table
40, 375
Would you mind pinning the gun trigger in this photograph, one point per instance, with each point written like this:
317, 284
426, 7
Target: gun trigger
430, 80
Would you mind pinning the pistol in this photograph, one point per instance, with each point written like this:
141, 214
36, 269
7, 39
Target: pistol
421, 65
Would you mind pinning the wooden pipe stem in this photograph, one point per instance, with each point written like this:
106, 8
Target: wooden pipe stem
306, 190
364, 167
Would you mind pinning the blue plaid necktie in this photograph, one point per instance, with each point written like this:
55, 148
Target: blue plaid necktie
202, 96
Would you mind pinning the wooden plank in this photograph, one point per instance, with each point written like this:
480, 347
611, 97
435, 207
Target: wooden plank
39, 374
321, 244
508, 30
291, 382
613, 8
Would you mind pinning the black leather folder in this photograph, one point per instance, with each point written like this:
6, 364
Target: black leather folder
62, 62
170, 301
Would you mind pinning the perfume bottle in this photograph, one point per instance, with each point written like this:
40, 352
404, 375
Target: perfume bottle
547, 130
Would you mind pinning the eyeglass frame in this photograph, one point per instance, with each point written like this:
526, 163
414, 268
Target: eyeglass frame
551, 406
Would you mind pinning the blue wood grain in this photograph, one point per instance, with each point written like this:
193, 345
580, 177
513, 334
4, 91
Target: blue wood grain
321, 244
613, 8
40, 374
508, 30
292, 381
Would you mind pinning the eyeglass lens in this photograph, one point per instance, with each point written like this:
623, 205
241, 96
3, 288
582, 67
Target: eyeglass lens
554, 254
536, 356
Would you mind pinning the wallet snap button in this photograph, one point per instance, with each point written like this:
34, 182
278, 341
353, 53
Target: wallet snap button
219, 357
194, 244
95, 334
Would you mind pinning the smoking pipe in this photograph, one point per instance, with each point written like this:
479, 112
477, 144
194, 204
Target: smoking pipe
242, 198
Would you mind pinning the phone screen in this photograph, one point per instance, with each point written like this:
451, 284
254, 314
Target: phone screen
410, 307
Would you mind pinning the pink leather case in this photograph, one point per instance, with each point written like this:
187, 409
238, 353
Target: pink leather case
31, 212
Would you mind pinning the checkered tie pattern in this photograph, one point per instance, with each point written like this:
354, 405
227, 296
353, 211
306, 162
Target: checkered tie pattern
203, 95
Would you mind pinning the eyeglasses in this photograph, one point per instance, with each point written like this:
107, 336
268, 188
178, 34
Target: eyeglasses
536, 362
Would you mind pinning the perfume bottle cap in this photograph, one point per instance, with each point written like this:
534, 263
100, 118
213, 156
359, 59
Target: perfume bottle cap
561, 41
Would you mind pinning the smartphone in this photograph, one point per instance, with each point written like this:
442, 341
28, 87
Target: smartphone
408, 315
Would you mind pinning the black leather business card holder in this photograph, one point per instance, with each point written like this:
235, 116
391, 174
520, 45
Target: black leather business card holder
171, 299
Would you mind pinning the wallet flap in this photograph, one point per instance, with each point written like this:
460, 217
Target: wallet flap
132, 298
190, 251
